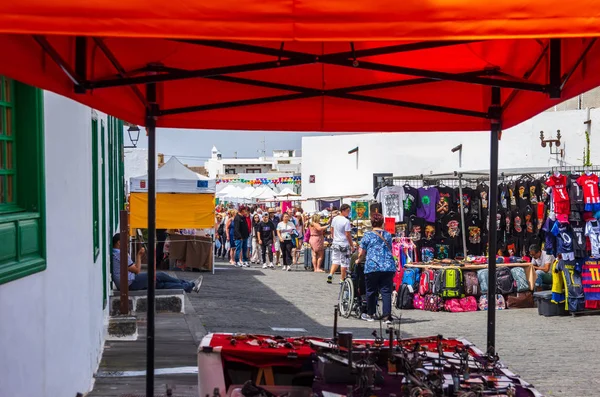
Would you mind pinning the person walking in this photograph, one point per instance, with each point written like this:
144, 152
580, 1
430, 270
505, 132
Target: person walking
276, 244
299, 222
266, 237
219, 238
241, 234
317, 242
229, 229
255, 258
342, 244
379, 267
285, 232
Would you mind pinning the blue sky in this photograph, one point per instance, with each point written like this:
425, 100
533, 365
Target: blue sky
193, 146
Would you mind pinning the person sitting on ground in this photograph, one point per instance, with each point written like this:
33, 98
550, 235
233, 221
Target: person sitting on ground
542, 263
139, 281
379, 267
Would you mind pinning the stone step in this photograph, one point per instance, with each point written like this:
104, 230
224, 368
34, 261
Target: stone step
167, 300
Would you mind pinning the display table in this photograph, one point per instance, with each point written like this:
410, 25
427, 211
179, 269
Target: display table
528, 267
195, 251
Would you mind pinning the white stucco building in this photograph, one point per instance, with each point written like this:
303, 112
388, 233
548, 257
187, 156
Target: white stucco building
423, 153
282, 161
56, 220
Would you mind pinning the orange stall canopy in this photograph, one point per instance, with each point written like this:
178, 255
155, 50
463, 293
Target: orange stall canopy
307, 65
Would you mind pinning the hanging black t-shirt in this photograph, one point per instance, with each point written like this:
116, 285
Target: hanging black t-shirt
466, 199
451, 228
579, 243
474, 246
522, 193
544, 196
534, 193
512, 196
529, 221
427, 250
375, 208
401, 229
416, 227
503, 196
518, 224
447, 201
410, 201
483, 191
508, 223
444, 249
500, 227
575, 194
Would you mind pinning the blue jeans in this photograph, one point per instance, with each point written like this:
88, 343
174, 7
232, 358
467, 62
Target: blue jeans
163, 281
379, 283
241, 247
541, 276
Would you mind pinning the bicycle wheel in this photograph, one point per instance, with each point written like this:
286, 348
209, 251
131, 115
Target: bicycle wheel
346, 299
379, 308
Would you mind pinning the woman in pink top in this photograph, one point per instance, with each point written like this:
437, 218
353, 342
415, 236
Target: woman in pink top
317, 242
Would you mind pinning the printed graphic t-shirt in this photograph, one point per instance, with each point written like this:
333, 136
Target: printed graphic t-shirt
474, 236
562, 204
589, 185
428, 199
564, 238
392, 202
411, 197
579, 243
575, 194
592, 230
522, 194
446, 202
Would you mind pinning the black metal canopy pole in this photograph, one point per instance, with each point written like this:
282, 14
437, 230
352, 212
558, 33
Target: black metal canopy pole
495, 113
151, 113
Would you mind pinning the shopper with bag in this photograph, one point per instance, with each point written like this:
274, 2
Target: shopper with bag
379, 267
287, 234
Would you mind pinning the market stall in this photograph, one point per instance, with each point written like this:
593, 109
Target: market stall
184, 200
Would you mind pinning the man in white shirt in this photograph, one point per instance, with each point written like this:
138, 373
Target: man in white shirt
542, 263
342, 245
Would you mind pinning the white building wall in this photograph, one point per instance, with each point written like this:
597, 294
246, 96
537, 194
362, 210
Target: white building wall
136, 164
338, 173
52, 323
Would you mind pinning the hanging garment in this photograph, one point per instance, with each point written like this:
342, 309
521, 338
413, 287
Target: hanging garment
592, 230
575, 193
591, 197
558, 284
392, 202
573, 286
562, 204
579, 243
411, 198
428, 200
534, 193
474, 246
416, 227
503, 196
591, 283
564, 238
447, 201
483, 192
522, 193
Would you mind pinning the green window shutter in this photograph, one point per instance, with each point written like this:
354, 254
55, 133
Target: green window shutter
22, 181
95, 190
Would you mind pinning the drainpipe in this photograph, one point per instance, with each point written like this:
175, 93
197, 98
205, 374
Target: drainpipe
588, 133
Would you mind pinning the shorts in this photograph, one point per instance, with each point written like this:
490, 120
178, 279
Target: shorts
277, 245
341, 258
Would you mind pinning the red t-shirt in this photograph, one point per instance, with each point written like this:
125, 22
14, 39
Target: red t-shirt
589, 184
562, 204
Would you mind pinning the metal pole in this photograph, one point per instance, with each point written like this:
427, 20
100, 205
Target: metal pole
462, 214
123, 283
151, 130
496, 115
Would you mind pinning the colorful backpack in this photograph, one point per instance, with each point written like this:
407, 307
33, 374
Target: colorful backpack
521, 279
419, 302
468, 304
471, 284
426, 282
453, 305
436, 287
411, 278
405, 298
434, 303
482, 275
453, 284
505, 283
500, 302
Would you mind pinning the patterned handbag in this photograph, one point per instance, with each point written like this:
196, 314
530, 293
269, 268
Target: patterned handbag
434, 303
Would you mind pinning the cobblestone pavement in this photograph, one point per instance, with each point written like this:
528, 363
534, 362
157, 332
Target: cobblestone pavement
556, 354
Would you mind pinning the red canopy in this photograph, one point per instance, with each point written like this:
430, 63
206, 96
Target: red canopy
309, 65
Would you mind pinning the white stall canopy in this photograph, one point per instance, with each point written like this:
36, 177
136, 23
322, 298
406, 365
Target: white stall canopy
174, 177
